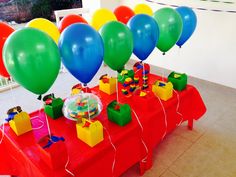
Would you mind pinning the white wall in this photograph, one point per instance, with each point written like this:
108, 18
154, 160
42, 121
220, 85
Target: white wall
210, 54
93, 5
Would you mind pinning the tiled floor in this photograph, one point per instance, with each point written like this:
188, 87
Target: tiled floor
207, 151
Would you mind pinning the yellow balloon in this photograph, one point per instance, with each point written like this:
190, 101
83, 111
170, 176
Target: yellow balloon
102, 16
143, 9
45, 26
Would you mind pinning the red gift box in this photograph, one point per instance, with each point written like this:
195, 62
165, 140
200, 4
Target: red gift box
55, 155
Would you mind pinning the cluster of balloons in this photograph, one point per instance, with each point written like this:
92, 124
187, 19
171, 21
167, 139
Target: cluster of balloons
32, 55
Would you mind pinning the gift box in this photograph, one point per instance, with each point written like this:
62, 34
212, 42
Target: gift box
107, 84
119, 113
53, 151
53, 106
19, 121
163, 90
90, 132
178, 80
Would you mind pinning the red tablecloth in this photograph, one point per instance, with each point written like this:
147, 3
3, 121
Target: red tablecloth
20, 155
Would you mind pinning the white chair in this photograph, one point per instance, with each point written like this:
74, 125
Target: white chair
61, 13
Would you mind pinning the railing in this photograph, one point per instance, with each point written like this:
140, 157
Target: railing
6, 84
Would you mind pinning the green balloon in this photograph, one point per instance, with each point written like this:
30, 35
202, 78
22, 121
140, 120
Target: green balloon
118, 44
32, 58
170, 25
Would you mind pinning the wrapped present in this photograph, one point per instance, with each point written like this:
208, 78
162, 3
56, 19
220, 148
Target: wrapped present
163, 90
90, 132
107, 84
53, 151
141, 75
178, 80
119, 113
19, 121
53, 106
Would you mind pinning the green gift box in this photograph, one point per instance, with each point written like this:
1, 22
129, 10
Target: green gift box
178, 80
54, 107
124, 74
119, 113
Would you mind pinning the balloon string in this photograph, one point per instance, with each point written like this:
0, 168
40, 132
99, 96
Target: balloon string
177, 108
3, 132
144, 144
46, 117
143, 72
88, 106
165, 116
66, 169
114, 161
39, 127
117, 94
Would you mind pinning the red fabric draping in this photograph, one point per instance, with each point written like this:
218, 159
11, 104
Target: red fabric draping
21, 155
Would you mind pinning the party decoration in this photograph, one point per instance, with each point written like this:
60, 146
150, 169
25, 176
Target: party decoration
141, 76
69, 20
5, 31
53, 106
170, 25
145, 35
101, 17
86, 105
178, 80
19, 121
143, 9
107, 84
163, 90
119, 113
52, 151
126, 78
45, 26
189, 20
89, 132
123, 14
118, 44
32, 58
81, 49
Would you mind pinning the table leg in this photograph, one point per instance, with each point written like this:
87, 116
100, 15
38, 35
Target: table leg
190, 124
145, 165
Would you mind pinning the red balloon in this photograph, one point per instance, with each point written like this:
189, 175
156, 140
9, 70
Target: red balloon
123, 14
69, 20
5, 31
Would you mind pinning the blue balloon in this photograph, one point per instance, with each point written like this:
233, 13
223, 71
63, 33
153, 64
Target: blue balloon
145, 32
189, 19
81, 49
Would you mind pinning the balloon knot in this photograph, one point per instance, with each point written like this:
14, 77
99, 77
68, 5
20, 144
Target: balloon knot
164, 53
39, 97
180, 47
85, 85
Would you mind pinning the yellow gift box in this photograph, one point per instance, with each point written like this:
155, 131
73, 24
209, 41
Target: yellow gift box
108, 87
163, 90
21, 123
90, 132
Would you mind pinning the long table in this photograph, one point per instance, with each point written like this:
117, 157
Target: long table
122, 147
